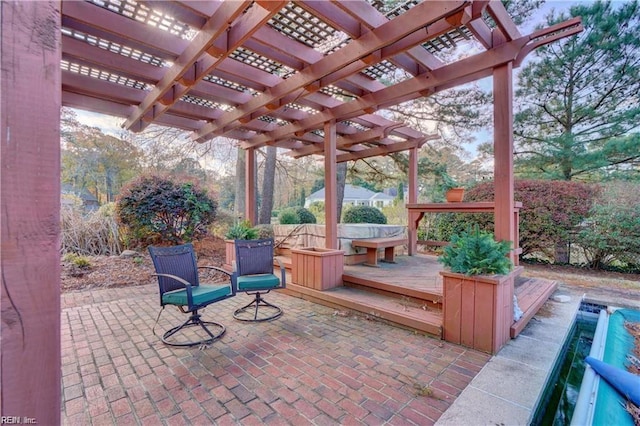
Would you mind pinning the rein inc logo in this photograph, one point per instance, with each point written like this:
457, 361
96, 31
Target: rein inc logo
17, 420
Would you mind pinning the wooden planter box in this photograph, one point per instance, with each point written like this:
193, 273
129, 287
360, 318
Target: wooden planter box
478, 310
230, 254
317, 268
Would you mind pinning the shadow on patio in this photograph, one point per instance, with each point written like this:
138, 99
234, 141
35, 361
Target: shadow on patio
313, 365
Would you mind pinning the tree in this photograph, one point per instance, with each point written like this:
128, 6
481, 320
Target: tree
268, 180
94, 161
239, 205
579, 102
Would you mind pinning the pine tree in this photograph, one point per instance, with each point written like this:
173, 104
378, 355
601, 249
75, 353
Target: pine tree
579, 113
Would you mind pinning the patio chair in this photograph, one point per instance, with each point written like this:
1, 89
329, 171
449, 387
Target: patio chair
254, 275
178, 278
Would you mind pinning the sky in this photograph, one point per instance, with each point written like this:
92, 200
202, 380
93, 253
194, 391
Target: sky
111, 125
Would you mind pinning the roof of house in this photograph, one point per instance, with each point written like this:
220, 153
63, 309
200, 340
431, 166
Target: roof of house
352, 192
83, 193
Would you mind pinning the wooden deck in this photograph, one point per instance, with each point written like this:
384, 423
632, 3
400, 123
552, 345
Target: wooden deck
409, 293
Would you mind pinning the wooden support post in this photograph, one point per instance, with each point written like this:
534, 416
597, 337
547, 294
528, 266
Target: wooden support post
503, 152
250, 187
30, 202
330, 186
412, 199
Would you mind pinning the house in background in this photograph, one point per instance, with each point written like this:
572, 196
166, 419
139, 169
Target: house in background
354, 196
89, 201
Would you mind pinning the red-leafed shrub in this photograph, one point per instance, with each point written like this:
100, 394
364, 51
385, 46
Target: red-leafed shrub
551, 211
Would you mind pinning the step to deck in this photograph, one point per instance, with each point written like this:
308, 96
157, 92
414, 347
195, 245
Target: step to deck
531, 293
403, 312
431, 297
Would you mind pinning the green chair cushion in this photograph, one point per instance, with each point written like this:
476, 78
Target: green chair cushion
257, 282
201, 295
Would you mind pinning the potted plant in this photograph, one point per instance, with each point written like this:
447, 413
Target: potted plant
453, 191
477, 290
240, 231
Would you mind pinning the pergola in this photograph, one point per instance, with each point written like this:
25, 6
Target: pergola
305, 76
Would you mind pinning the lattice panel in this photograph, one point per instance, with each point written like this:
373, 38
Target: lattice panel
258, 61
393, 9
206, 103
116, 48
304, 108
228, 84
380, 70
448, 40
337, 93
355, 125
102, 75
141, 13
278, 121
300, 25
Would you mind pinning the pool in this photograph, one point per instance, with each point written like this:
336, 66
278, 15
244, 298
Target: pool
574, 394
561, 393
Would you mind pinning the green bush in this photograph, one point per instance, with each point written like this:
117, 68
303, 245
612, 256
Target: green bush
364, 214
78, 260
288, 217
295, 215
158, 209
611, 235
304, 215
317, 208
476, 253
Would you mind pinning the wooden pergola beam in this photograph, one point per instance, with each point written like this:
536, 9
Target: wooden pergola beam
464, 71
416, 59
379, 38
193, 65
502, 19
384, 150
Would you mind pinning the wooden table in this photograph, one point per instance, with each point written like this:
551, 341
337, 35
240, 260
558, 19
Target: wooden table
373, 244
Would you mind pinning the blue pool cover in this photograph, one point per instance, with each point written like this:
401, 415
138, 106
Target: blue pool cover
609, 407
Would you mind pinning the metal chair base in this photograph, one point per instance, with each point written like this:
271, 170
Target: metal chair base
195, 321
255, 305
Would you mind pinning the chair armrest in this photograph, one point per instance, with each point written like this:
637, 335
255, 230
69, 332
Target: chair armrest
283, 273
186, 284
232, 276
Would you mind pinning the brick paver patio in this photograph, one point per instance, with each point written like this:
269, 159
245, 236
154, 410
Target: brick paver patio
311, 366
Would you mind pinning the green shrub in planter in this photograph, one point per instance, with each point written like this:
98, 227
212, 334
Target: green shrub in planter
476, 252
364, 214
242, 231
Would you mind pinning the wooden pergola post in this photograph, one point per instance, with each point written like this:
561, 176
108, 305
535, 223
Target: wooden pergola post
412, 198
30, 203
250, 186
503, 155
330, 186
